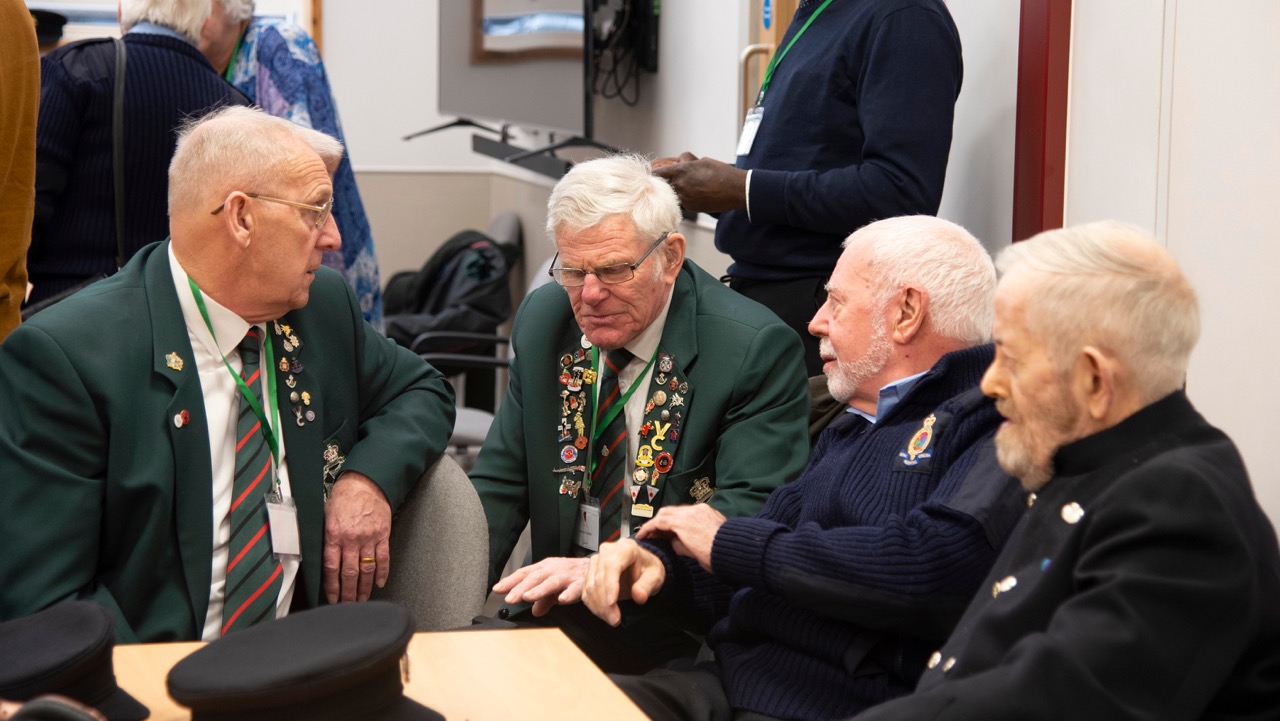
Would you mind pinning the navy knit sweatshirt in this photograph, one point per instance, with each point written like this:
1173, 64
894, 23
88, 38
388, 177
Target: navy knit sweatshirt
832, 598
856, 128
166, 81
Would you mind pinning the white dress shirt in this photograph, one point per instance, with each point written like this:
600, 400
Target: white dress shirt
222, 411
643, 348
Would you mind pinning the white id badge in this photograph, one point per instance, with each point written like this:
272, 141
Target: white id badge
588, 534
749, 128
283, 517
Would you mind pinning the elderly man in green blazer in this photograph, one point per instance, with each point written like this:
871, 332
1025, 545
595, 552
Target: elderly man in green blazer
213, 436
707, 403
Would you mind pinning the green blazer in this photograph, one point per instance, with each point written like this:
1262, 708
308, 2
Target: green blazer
106, 492
743, 430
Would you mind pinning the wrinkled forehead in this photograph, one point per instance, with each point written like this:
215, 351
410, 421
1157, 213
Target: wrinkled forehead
1015, 298
612, 240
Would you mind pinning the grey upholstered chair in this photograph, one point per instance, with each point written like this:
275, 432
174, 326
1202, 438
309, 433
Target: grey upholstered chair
439, 551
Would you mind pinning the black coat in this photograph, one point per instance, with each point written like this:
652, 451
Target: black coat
1143, 583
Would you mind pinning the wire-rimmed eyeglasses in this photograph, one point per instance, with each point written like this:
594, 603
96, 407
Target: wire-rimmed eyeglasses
321, 210
609, 274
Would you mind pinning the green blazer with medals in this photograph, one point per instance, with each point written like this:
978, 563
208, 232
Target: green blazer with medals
104, 449
736, 379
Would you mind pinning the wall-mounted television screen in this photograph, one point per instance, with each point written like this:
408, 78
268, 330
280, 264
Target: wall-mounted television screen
522, 61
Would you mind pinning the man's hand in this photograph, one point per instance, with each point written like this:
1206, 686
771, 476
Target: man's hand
621, 571
546, 583
704, 185
692, 530
357, 529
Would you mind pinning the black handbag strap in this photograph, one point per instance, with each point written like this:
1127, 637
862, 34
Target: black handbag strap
117, 148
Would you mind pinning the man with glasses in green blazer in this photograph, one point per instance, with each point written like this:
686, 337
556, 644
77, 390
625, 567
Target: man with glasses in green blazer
639, 382
213, 437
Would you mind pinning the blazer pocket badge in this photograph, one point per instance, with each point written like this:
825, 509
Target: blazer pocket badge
332, 467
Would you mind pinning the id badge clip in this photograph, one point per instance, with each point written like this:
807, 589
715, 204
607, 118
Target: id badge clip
282, 515
588, 531
749, 128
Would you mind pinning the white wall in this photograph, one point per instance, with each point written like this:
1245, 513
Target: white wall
979, 188
1174, 105
382, 67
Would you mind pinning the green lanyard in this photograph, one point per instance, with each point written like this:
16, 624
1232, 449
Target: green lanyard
598, 424
245, 391
768, 73
231, 64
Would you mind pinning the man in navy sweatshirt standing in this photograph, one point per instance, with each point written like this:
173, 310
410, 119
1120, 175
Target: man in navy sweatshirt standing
852, 124
831, 599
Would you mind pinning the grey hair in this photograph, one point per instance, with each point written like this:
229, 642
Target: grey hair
1112, 286
185, 16
942, 259
237, 11
615, 185
245, 153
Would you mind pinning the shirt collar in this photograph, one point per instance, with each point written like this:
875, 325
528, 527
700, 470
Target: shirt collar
229, 327
644, 345
151, 28
890, 394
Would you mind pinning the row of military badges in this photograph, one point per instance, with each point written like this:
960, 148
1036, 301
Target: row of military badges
659, 434
576, 375
299, 399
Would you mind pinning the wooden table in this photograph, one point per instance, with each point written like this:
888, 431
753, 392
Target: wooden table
528, 674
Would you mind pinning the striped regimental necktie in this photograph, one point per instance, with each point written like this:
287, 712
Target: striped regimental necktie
253, 573
610, 476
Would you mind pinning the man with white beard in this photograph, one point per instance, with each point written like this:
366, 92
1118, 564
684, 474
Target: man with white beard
1144, 580
831, 598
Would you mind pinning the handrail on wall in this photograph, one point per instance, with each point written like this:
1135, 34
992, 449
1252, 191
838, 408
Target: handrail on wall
747, 97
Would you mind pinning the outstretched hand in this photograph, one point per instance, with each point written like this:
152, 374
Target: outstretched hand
621, 571
545, 584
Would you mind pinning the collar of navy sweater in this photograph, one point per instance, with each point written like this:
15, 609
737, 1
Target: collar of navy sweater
1166, 416
961, 368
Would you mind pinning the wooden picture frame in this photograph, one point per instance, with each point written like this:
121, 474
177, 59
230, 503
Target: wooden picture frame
480, 53
317, 24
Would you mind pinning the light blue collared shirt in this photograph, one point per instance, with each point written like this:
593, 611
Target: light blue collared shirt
153, 29
889, 396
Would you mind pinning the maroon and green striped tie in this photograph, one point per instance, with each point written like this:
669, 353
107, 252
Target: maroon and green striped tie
253, 573
610, 477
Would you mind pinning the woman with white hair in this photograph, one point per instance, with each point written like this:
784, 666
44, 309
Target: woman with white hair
74, 234
278, 66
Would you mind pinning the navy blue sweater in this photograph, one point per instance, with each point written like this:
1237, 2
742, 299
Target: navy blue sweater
856, 128
166, 81
832, 598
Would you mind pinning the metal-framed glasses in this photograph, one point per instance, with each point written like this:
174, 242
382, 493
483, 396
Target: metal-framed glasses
609, 274
322, 211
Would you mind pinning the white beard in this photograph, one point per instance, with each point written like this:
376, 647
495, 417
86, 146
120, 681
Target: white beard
848, 375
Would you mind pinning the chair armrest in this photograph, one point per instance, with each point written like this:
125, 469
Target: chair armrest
417, 346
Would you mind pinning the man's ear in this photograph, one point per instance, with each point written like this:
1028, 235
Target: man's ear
674, 253
909, 307
238, 219
1094, 382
